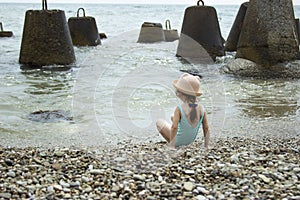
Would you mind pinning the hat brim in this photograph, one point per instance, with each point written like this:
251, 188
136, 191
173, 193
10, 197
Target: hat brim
189, 92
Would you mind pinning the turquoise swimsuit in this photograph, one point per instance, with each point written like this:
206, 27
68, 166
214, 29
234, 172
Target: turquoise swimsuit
186, 134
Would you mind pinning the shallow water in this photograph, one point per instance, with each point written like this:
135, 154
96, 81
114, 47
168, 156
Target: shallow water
117, 90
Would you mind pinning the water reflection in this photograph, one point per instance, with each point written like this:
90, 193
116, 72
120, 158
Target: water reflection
269, 98
41, 82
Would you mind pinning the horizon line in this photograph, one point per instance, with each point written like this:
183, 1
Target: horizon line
109, 3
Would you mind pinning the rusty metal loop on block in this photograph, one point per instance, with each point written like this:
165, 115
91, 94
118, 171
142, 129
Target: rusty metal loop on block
1, 27
168, 25
44, 3
199, 2
82, 11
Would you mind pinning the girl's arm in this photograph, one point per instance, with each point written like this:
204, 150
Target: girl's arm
174, 127
206, 130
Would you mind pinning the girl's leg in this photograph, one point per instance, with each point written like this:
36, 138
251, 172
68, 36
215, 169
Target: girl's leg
164, 129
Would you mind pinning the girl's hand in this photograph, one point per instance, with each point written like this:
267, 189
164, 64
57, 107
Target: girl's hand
172, 144
172, 147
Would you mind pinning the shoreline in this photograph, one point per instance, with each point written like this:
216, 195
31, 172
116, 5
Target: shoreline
234, 168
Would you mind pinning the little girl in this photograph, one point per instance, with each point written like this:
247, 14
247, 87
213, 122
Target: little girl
187, 117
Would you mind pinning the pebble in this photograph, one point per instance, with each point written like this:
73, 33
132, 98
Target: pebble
189, 172
233, 168
11, 174
57, 187
5, 195
9, 162
138, 177
264, 178
296, 169
202, 190
200, 197
75, 184
97, 171
189, 186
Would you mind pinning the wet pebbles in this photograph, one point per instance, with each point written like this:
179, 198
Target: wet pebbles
234, 168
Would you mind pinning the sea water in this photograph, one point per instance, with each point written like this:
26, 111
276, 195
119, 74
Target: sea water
116, 91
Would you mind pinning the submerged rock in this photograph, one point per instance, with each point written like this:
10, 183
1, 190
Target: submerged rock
247, 68
49, 116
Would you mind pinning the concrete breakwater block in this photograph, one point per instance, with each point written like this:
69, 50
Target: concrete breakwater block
83, 30
151, 32
298, 29
269, 33
5, 33
170, 34
102, 36
234, 34
46, 39
201, 24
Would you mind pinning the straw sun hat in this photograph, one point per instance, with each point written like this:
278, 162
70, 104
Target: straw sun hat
188, 84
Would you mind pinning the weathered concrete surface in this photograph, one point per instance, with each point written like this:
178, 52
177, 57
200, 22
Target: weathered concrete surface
234, 34
269, 33
201, 24
151, 32
170, 34
247, 68
5, 33
46, 39
84, 31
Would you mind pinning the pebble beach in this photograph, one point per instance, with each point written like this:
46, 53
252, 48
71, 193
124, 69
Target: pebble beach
233, 168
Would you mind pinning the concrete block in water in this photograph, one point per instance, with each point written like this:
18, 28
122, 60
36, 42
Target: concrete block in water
151, 32
170, 34
46, 39
102, 36
201, 24
83, 30
5, 33
234, 34
269, 34
298, 29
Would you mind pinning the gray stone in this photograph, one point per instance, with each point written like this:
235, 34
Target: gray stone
138, 177
5, 195
296, 169
188, 186
189, 172
115, 188
120, 159
97, 171
294, 198
85, 179
202, 190
234, 158
264, 178
64, 184
57, 187
247, 68
11, 174
59, 153
200, 197
75, 184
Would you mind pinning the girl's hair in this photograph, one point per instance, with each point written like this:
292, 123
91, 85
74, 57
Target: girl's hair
191, 101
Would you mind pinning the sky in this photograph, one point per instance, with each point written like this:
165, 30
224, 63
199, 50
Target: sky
187, 2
